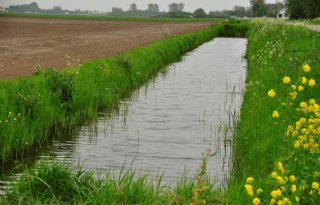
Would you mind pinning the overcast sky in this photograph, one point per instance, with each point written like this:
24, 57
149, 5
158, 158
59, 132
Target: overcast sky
106, 5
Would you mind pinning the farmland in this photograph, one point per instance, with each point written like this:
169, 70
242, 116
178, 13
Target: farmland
59, 43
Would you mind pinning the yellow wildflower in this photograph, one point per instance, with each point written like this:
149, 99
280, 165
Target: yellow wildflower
293, 188
286, 80
271, 93
285, 200
304, 80
280, 202
275, 114
306, 68
292, 178
280, 180
259, 191
276, 193
249, 189
272, 201
256, 201
312, 101
249, 180
297, 199
312, 82
274, 174
300, 88
280, 167
303, 104
315, 185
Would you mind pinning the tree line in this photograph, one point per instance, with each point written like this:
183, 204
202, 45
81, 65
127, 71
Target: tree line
295, 8
258, 8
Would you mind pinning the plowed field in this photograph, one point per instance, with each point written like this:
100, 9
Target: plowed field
59, 43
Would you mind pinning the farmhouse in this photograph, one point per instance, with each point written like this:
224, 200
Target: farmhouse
282, 14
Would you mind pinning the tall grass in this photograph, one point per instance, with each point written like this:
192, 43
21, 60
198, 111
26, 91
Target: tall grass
54, 183
274, 50
315, 21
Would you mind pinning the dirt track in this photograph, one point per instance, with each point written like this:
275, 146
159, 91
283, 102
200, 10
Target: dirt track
26, 42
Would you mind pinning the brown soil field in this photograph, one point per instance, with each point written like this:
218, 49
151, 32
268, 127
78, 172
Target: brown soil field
59, 43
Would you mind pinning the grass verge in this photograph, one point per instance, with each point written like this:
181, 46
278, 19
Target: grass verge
54, 183
269, 166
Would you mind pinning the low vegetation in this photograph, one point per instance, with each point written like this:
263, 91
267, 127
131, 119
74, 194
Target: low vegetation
54, 183
276, 154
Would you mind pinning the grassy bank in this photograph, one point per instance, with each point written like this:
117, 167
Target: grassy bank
276, 151
54, 183
51, 102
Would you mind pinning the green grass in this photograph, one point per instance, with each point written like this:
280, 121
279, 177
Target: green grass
102, 17
274, 50
315, 21
54, 183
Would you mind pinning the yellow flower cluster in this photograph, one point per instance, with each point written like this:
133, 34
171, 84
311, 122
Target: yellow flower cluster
299, 182
11, 118
250, 191
306, 131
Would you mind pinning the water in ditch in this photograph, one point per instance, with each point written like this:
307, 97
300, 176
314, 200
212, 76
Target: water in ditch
165, 125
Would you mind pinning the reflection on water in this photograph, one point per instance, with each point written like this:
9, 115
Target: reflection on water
167, 124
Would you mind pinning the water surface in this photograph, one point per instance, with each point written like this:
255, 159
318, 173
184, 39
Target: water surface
166, 125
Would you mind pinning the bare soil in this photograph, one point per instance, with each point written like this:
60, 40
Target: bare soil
59, 43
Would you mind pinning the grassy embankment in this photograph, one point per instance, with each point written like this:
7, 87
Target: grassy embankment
51, 102
283, 161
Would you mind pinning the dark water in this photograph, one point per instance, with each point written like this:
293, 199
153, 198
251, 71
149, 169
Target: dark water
166, 125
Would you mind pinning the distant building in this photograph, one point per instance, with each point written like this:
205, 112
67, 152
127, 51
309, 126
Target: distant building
2, 9
282, 14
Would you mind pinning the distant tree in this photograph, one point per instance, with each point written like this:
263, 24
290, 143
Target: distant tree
176, 7
199, 13
57, 9
258, 7
311, 8
303, 8
173, 7
133, 7
153, 8
239, 11
32, 7
156, 8
180, 6
116, 11
295, 9
220, 14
